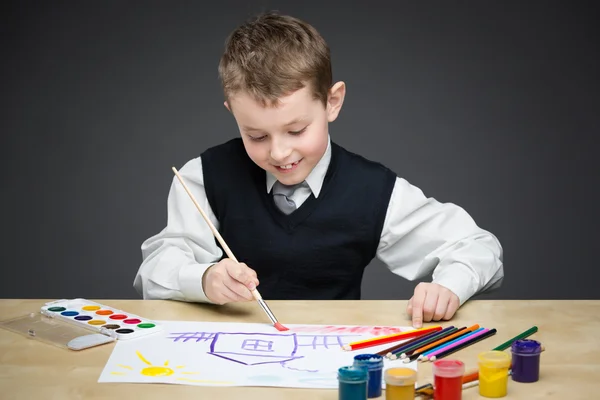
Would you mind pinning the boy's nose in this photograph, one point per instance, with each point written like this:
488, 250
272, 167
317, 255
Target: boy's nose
280, 152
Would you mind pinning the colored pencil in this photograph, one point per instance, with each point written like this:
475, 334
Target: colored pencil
405, 344
443, 334
218, 236
462, 331
474, 339
523, 335
397, 353
452, 342
389, 338
471, 376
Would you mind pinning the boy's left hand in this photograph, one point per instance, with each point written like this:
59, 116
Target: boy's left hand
431, 302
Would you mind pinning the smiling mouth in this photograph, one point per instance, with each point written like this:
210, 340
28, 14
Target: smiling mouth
288, 167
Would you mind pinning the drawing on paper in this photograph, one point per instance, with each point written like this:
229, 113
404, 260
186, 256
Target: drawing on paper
237, 354
162, 370
260, 348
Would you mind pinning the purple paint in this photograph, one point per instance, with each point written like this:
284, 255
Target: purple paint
324, 341
253, 346
252, 359
83, 318
526, 360
197, 336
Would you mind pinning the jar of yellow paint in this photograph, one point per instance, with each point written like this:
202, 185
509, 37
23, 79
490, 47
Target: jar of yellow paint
493, 373
400, 383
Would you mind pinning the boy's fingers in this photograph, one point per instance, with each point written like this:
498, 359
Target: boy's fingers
243, 274
442, 306
429, 305
409, 307
241, 292
417, 306
452, 307
228, 296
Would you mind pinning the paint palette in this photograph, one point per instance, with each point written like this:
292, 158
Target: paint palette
100, 318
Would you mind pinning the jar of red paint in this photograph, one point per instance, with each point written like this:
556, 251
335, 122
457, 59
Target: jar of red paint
526, 360
447, 379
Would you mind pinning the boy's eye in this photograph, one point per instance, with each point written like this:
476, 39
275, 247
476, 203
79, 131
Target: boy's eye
298, 132
257, 138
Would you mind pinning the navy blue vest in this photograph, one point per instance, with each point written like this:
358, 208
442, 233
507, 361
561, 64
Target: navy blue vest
318, 252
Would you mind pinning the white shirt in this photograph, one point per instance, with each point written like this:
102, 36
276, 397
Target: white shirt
420, 235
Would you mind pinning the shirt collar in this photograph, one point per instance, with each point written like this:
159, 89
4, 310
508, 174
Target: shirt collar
315, 178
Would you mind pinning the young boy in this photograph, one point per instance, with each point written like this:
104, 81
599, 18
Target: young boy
304, 216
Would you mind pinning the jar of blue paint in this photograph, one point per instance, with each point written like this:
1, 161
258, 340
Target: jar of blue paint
374, 364
352, 383
526, 360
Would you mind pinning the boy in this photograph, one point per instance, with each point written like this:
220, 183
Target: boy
304, 216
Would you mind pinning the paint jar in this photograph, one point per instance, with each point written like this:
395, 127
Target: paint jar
493, 373
400, 383
352, 383
526, 360
374, 364
447, 379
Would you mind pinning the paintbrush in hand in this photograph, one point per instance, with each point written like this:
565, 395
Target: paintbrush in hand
215, 232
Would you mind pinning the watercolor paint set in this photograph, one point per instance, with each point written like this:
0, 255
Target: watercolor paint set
103, 319
79, 324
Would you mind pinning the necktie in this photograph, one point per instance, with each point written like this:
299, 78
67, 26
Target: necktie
281, 196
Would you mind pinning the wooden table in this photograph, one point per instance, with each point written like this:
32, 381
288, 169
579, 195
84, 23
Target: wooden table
569, 330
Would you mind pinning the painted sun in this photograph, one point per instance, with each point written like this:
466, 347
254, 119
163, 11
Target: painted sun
162, 370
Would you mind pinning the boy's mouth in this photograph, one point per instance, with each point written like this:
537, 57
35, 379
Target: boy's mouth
288, 167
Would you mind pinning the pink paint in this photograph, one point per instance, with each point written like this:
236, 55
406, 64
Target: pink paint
372, 330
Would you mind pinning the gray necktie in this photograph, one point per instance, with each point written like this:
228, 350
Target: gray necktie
281, 196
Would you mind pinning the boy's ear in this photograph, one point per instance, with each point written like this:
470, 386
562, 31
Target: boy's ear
335, 99
226, 104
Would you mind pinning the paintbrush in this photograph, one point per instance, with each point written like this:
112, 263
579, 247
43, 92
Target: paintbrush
227, 250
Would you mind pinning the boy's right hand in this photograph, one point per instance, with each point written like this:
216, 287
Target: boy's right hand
228, 281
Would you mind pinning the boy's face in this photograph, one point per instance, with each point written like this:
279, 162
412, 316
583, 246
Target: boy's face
290, 139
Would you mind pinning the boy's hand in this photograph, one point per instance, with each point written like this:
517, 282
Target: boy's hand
431, 302
229, 281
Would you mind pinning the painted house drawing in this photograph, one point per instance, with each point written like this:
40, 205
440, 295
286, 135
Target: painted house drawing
255, 348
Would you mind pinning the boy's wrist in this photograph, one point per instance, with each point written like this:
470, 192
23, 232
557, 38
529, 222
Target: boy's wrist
460, 282
191, 282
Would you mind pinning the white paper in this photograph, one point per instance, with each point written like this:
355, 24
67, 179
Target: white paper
240, 354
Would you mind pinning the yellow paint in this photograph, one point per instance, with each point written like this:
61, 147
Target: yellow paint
96, 322
153, 370
399, 392
400, 383
493, 373
142, 358
90, 308
205, 381
157, 371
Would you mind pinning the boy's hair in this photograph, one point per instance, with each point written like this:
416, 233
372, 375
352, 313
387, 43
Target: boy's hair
274, 55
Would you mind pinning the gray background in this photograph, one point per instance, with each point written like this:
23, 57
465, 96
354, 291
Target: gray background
491, 105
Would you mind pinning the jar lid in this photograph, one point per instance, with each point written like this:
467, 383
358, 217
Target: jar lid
400, 376
526, 346
494, 359
448, 368
370, 361
351, 373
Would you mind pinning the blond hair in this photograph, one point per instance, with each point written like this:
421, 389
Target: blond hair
274, 55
